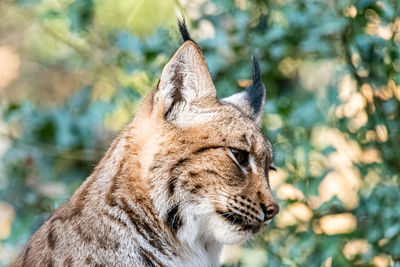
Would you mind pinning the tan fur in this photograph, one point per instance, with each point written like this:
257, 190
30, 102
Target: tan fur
158, 195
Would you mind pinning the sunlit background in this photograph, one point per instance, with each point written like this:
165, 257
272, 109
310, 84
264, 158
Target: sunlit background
72, 74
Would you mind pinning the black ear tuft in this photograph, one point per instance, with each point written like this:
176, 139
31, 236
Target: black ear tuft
256, 70
183, 29
255, 93
251, 100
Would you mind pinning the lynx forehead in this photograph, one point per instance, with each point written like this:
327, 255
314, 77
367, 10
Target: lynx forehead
187, 175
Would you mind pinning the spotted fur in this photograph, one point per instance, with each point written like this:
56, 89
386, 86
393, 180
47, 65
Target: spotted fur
170, 190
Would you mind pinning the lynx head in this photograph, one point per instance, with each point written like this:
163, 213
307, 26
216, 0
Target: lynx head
206, 157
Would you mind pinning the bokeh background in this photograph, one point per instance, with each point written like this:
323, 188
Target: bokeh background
73, 72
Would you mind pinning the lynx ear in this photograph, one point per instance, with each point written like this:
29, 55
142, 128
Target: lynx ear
185, 81
251, 100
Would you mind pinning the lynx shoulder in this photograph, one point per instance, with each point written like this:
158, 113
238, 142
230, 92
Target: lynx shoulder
187, 175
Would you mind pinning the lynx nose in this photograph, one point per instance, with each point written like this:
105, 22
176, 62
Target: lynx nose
270, 211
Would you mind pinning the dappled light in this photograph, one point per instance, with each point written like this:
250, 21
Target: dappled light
9, 65
7, 217
342, 223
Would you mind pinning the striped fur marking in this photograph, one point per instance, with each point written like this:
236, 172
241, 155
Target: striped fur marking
174, 219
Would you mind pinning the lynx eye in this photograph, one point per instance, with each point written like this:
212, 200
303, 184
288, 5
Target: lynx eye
272, 167
241, 156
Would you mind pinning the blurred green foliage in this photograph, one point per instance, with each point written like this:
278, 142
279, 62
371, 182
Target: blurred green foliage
332, 72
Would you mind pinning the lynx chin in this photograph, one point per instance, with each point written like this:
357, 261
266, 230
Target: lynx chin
188, 174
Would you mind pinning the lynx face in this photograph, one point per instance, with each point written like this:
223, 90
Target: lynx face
223, 177
205, 155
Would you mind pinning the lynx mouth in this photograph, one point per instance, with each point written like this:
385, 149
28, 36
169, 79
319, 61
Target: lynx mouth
238, 220
254, 228
232, 217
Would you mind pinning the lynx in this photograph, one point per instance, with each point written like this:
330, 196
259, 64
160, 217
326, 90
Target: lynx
187, 175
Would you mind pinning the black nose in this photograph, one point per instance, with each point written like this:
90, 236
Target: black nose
270, 211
